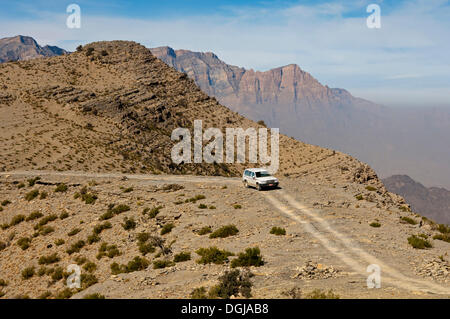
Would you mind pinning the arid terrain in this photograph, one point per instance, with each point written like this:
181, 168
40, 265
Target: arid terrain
328, 244
72, 126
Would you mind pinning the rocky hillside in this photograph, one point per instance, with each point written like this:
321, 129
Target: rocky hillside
112, 107
432, 202
21, 48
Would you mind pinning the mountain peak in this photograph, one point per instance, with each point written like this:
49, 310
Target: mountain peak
22, 47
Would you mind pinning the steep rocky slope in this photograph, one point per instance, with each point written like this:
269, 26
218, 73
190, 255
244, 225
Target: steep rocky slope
113, 106
432, 202
21, 48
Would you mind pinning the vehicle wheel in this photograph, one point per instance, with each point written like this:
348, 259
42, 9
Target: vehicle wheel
259, 187
245, 184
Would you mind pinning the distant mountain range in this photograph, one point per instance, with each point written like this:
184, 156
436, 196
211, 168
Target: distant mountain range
393, 141
21, 47
432, 202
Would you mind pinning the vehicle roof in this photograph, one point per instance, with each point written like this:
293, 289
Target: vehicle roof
256, 169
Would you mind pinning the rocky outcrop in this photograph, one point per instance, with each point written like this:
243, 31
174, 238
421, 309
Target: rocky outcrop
21, 48
432, 202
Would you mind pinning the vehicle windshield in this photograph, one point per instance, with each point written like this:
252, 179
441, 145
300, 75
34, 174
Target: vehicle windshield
262, 174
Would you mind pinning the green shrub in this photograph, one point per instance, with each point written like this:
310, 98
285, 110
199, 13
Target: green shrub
46, 230
6, 202
204, 230
375, 224
20, 185
61, 188
120, 209
237, 206
128, 190
444, 229
99, 228
50, 259
45, 295
110, 251
419, 243
24, 243
158, 264
34, 215
136, 264
251, 257
87, 280
319, 294
199, 293
66, 293
213, 255
60, 242
17, 220
232, 283
94, 296
202, 206
76, 247
2, 245
195, 199
371, 188
183, 256
93, 238
44, 221
443, 237
129, 223
57, 273
359, 197
167, 228
43, 195
32, 181
154, 211
278, 231
146, 248
63, 215
3, 283
28, 272
89, 267
408, 220
73, 232
225, 231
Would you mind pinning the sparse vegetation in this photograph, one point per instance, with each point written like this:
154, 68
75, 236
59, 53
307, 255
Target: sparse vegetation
204, 230
359, 197
371, 188
237, 206
278, 231
73, 232
129, 223
136, 264
24, 243
110, 251
213, 255
6, 202
167, 228
319, 294
232, 283
158, 264
375, 224
16, 220
76, 247
183, 256
408, 220
251, 257
28, 272
34, 215
50, 259
94, 296
443, 237
225, 231
61, 188
418, 242
32, 195
101, 227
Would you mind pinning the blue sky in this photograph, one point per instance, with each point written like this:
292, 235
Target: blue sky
404, 63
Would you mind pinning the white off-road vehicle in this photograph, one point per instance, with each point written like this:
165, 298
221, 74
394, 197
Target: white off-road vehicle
259, 178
